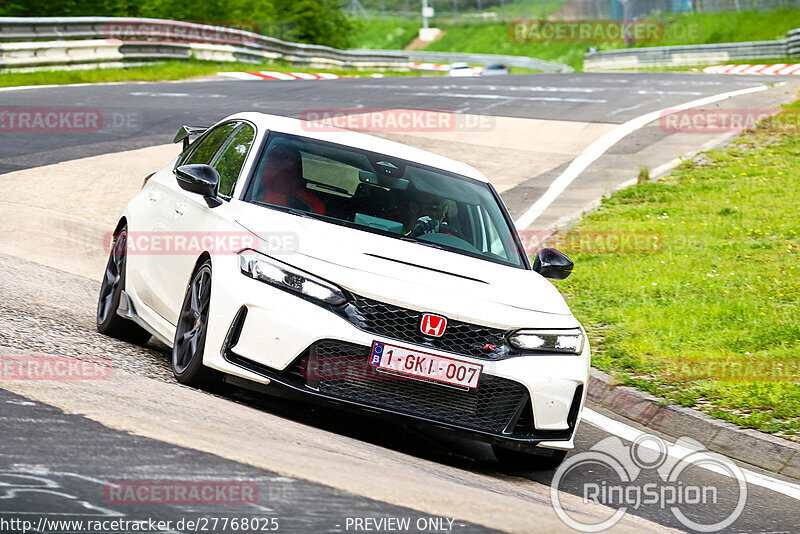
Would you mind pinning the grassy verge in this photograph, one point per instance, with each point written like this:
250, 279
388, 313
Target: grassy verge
170, 70
385, 33
494, 37
729, 27
709, 317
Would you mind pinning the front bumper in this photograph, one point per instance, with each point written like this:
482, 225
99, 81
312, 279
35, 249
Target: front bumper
267, 335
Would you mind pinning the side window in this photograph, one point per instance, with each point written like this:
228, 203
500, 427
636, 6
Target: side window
208, 146
495, 243
231, 159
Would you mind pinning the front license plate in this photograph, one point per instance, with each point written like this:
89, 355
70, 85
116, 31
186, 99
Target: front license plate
422, 365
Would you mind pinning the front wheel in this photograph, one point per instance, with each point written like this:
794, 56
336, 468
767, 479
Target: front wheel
108, 322
190, 333
525, 461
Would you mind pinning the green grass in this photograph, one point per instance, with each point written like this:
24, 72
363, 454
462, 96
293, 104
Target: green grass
385, 33
516, 9
720, 289
730, 27
494, 38
171, 70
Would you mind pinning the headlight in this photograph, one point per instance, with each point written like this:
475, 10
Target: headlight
568, 341
285, 276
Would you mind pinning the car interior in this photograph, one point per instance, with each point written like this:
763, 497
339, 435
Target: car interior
381, 194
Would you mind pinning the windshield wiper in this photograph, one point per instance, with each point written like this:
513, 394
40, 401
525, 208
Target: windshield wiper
293, 211
425, 243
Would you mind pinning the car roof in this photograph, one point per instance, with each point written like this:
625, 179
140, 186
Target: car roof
289, 125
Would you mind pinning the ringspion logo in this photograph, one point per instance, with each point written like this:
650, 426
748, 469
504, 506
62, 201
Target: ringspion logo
650, 474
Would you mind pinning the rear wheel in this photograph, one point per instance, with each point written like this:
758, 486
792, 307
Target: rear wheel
190, 333
108, 322
525, 461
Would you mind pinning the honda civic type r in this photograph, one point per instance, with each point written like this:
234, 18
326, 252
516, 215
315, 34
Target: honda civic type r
353, 271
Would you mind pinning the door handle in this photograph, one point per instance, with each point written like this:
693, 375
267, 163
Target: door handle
180, 208
153, 196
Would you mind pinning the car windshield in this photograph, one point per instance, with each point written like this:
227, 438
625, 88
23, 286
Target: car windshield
385, 195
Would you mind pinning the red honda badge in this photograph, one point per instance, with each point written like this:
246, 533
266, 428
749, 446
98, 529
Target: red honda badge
433, 325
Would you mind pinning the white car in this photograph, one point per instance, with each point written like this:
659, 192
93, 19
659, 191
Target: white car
360, 272
463, 70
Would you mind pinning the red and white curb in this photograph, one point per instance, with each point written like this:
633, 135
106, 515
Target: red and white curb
776, 69
270, 75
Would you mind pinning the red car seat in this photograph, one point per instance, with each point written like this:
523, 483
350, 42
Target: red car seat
283, 184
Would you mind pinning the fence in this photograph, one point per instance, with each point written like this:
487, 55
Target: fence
38, 42
686, 55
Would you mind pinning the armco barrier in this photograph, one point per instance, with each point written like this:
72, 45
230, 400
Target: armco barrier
685, 55
202, 41
793, 43
58, 52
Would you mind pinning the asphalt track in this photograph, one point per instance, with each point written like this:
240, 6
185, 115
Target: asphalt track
157, 107
80, 455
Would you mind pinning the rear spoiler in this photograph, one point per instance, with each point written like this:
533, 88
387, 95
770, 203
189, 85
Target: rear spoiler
186, 132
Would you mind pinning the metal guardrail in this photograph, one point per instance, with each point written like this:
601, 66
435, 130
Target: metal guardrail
793, 43
157, 39
684, 55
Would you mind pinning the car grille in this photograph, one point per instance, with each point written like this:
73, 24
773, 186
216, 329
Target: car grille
341, 370
404, 324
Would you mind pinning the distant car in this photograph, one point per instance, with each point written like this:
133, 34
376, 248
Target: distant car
353, 271
495, 69
463, 70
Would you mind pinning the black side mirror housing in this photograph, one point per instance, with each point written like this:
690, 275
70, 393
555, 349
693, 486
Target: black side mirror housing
200, 179
552, 264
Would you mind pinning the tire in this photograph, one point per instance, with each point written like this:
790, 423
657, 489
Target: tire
190, 334
108, 322
524, 461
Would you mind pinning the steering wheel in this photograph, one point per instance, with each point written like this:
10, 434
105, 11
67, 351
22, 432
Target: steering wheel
445, 228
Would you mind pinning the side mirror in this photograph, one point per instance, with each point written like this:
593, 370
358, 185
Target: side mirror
552, 264
200, 179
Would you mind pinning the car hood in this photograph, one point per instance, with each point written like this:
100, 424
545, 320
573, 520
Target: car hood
409, 274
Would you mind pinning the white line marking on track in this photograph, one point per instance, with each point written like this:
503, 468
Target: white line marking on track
629, 433
512, 97
606, 141
100, 84
651, 92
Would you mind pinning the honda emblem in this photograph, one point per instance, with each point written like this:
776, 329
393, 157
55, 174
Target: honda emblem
433, 325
